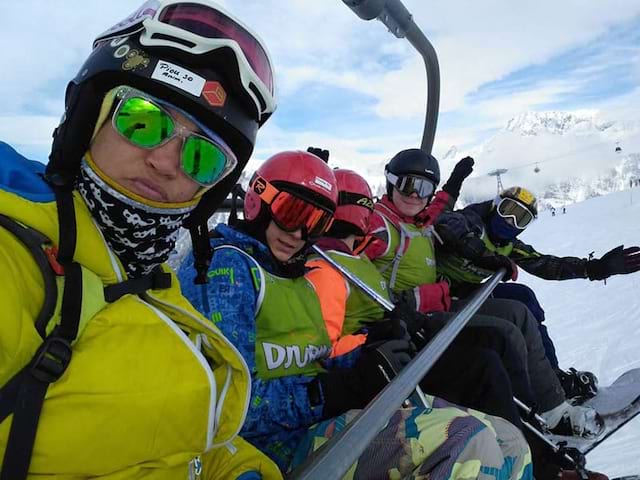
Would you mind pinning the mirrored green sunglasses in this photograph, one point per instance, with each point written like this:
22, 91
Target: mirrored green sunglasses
142, 121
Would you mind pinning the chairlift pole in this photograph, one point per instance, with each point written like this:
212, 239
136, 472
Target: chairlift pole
496, 173
400, 23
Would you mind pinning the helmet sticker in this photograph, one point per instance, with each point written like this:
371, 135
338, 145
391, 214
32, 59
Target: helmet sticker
122, 51
259, 186
135, 59
214, 94
366, 202
323, 183
525, 196
179, 77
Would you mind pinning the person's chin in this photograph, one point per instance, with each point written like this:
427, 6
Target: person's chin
410, 211
281, 256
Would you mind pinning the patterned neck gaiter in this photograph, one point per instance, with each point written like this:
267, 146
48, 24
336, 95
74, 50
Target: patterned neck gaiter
142, 236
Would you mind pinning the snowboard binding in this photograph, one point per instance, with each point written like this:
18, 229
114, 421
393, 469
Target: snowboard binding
578, 386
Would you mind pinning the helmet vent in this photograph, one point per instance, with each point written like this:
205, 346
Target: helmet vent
256, 92
170, 38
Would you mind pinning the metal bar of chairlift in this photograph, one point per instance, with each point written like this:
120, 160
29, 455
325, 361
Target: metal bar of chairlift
335, 458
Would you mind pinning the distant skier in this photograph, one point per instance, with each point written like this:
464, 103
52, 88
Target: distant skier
553, 212
564, 210
482, 237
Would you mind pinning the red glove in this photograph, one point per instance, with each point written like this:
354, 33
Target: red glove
432, 297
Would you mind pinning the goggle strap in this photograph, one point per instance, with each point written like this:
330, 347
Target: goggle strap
349, 198
264, 189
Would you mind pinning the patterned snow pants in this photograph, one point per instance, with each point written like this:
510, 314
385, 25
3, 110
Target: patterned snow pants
441, 443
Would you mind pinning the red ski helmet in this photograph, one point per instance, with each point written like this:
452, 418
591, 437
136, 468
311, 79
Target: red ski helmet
355, 200
296, 190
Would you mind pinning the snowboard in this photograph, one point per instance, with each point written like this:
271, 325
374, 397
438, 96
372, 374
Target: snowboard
618, 404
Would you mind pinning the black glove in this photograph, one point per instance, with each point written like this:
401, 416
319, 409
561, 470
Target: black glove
419, 325
461, 171
496, 262
620, 260
348, 388
391, 328
320, 153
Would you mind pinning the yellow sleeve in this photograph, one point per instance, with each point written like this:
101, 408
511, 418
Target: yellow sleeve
21, 297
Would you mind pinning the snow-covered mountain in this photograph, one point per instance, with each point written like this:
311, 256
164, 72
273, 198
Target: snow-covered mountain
564, 157
558, 123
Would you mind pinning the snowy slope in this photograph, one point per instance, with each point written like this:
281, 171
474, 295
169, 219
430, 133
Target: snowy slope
595, 326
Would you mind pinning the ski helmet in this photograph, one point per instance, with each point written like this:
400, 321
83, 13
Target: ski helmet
192, 54
355, 203
413, 161
296, 190
519, 204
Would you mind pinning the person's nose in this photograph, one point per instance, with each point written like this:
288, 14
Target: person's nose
297, 234
165, 159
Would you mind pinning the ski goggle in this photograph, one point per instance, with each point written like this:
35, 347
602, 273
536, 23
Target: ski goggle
142, 121
408, 184
516, 211
198, 28
292, 213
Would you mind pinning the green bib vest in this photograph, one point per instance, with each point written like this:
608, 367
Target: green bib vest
290, 332
410, 258
459, 270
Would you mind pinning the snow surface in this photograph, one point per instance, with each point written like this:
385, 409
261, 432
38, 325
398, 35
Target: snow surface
595, 326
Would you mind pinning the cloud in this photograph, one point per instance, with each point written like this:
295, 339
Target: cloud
29, 134
350, 85
38, 62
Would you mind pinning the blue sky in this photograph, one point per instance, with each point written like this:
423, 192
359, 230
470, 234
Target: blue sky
350, 86
611, 71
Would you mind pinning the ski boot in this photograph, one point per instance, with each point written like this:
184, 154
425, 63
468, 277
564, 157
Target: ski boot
578, 386
574, 420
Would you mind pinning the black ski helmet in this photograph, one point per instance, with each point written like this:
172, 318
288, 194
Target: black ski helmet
413, 161
156, 51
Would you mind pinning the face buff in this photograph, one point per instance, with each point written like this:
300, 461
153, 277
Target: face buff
142, 236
